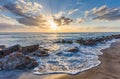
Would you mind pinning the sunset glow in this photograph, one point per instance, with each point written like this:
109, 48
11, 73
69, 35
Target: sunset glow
53, 26
59, 16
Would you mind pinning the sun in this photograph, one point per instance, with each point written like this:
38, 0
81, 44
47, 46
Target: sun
53, 25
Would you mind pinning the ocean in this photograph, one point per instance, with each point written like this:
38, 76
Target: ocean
65, 62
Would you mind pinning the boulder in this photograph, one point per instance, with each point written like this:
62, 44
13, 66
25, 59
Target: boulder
29, 49
73, 49
9, 50
80, 41
64, 41
41, 53
2, 47
116, 36
17, 60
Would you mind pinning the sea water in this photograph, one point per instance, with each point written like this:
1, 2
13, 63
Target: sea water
60, 60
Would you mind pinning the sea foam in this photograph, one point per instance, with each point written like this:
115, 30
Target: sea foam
62, 62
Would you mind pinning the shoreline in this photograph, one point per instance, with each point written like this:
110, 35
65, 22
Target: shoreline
108, 69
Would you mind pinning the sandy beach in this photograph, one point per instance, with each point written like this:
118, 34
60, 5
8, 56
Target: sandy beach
108, 69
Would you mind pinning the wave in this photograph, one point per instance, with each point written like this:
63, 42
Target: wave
63, 62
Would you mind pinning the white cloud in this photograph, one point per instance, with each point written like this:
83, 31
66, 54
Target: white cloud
72, 11
29, 7
60, 14
80, 20
86, 13
104, 13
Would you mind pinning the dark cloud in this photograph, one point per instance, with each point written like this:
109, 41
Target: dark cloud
27, 17
12, 7
36, 21
104, 13
1, 8
113, 14
63, 21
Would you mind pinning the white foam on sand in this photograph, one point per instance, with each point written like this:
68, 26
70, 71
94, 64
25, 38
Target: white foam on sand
63, 62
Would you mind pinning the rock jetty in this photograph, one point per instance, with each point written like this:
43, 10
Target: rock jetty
91, 41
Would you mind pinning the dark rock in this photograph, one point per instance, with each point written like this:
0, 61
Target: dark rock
45, 49
41, 53
73, 49
17, 60
64, 41
2, 47
116, 36
91, 42
31, 48
9, 50
87, 42
80, 41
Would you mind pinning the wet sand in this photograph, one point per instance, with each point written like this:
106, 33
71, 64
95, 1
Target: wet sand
108, 69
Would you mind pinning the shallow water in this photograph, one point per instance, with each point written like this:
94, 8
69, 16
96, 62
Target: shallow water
60, 61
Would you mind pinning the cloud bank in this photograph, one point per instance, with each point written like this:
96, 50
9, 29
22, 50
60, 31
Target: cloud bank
104, 13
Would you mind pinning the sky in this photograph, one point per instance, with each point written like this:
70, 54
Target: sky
59, 15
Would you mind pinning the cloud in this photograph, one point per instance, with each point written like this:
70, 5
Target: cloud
63, 21
113, 14
29, 13
59, 14
86, 14
39, 21
80, 20
8, 23
104, 13
1, 8
100, 11
60, 18
72, 11
23, 8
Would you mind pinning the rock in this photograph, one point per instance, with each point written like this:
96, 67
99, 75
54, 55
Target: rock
64, 41
31, 48
2, 47
9, 50
73, 49
41, 53
80, 41
116, 36
17, 60
45, 49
